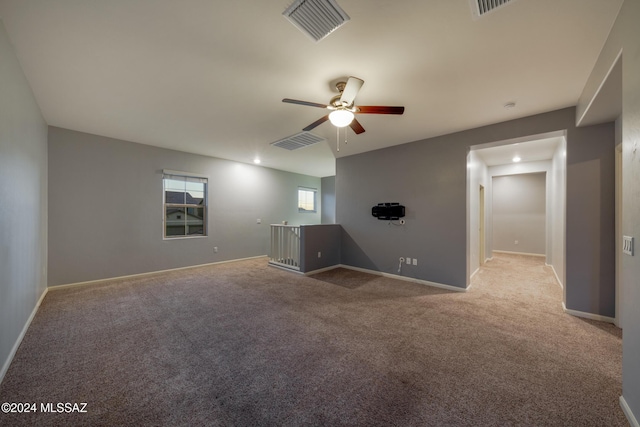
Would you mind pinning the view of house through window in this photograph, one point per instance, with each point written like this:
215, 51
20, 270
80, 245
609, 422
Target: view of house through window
185, 205
306, 199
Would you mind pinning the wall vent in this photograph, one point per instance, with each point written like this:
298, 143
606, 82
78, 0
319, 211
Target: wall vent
299, 140
482, 7
316, 18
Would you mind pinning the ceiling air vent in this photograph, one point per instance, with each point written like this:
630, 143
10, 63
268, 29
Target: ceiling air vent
316, 18
482, 7
299, 140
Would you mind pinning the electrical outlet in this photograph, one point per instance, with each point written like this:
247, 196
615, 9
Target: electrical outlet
319, 254
258, 221
627, 245
215, 249
408, 261
415, 261
516, 242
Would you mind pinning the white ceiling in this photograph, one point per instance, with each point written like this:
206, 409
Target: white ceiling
528, 151
208, 77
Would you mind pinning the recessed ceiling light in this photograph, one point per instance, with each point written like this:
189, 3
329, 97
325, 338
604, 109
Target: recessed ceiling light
516, 159
256, 161
510, 105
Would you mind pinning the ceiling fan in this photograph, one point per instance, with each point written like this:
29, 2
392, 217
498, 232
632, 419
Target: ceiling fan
343, 107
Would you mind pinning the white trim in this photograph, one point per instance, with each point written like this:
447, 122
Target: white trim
285, 268
519, 253
180, 173
150, 273
14, 349
474, 273
627, 411
527, 138
321, 270
555, 274
404, 278
166, 239
586, 315
597, 92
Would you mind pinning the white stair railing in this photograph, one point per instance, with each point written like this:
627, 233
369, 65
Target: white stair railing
285, 246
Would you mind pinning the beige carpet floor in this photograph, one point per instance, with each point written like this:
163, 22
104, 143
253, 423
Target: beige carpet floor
245, 344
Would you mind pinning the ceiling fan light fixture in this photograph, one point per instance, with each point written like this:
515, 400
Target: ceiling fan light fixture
341, 118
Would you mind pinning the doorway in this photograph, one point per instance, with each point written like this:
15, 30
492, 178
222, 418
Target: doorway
481, 203
536, 154
619, 289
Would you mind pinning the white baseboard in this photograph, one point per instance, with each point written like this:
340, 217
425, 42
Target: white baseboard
283, 268
555, 274
404, 278
590, 316
150, 273
474, 273
322, 270
627, 411
519, 253
14, 349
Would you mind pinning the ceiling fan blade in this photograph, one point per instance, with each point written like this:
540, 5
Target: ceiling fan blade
377, 109
351, 90
318, 122
310, 104
356, 126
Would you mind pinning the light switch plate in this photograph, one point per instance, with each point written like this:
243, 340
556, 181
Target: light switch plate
627, 245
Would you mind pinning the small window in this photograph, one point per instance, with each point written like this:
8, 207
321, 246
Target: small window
306, 199
185, 205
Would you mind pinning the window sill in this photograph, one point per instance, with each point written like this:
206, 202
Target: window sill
184, 237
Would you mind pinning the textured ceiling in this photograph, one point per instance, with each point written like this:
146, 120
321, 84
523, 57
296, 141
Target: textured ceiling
527, 151
208, 77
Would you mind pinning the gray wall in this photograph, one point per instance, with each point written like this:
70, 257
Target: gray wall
556, 227
519, 211
625, 35
478, 174
631, 202
541, 166
590, 211
430, 177
323, 239
328, 200
105, 210
23, 202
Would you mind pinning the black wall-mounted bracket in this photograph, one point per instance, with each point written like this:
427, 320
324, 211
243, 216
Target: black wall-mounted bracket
388, 211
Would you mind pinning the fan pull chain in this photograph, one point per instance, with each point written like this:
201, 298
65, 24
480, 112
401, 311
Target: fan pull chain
338, 137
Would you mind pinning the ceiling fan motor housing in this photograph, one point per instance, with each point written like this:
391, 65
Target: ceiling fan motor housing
338, 104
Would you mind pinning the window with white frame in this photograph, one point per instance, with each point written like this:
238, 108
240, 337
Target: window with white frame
185, 205
306, 199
